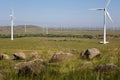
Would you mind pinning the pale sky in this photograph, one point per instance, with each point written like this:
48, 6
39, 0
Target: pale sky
53, 13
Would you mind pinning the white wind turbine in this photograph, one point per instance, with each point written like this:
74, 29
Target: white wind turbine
12, 22
106, 13
61, 28
25, 27
46, 30
43, 29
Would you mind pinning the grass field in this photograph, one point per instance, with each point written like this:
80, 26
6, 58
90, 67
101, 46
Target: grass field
47, 46
68, 70
39, 44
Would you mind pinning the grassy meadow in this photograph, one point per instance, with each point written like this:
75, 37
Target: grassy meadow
66, 70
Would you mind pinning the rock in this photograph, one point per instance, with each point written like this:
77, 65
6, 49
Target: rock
31, 68
33, 55
2, 75
19, 56
86, 64
4, 56
91, 53
106, 68
58, 57
74, 51
20, 65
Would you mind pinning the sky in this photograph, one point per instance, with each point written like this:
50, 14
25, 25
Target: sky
55, 13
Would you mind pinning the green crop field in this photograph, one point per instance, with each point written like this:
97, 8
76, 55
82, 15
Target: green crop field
67, 70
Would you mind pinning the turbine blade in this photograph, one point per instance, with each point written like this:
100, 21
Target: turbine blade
108, 14
97, 9
12, 12
108, 3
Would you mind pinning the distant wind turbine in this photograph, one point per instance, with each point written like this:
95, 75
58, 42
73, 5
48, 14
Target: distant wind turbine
25, 27
43, 29
106, 13
12, 22
46, 30
61, 28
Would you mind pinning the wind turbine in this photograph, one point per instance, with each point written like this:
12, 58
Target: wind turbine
43, 29
25, 27
106, 13
61, 28
46, 30
12, 22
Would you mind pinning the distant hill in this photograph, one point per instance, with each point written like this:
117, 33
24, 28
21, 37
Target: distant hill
20, 29
37, 31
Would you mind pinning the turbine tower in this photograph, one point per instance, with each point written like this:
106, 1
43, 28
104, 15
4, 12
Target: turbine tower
46, 30
43, 29
25, 27
61, 28
12, 22
106, 13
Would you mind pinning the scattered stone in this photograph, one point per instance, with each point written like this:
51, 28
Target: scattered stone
106, 68
2, 75
74, 51
4, 56
33, 55
31, 68
19, 56
58, 57
86, 64
90, 53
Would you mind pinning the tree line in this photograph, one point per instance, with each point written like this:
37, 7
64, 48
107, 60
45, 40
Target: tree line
57, 35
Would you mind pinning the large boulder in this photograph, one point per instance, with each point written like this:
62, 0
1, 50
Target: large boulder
106, 68
90, 53
31, 68
4, 56
58, 57
86, 64
19, 56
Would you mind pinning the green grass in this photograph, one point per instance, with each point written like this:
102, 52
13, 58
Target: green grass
67, 70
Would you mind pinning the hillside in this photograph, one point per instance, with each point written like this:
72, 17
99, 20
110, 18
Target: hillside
20, 29
37, 31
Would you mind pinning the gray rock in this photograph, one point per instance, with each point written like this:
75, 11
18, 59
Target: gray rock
106, 68
31, 68
61, 56
20, 65
86, 64
90, 53
19, 56
33, 55
4, 56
